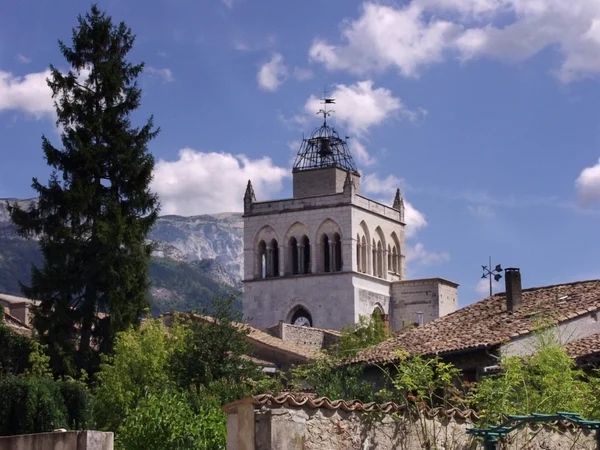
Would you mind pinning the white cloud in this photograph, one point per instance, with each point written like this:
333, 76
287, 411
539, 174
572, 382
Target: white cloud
302, 74
385, 36
417, 254
588, 185
358, 150
483, 287
204, 183
272, 73
359, 105
483, 211
164, 73
228, 3
413, 218
425, 32
24, 59
29, 94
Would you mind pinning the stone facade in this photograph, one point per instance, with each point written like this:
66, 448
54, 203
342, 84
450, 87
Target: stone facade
329, 255
333, 426
314, 338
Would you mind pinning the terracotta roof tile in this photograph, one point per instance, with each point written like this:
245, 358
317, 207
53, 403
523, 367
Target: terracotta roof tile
487, 322
584, 347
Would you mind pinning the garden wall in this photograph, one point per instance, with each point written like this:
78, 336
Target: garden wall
66, 440
290, 422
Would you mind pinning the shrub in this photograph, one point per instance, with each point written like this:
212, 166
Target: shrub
36, 405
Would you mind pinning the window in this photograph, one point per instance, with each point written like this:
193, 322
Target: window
262, 259
273, 259
305, 255
292, 256
326, 253
337, 253
301, 318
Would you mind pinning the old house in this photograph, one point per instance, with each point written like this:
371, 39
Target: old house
473, 337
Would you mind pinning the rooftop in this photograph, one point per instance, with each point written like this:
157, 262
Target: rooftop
487, 323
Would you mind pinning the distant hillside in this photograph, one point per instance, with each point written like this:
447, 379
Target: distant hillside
195, 258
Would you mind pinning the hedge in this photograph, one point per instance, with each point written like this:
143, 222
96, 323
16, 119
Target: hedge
36, 405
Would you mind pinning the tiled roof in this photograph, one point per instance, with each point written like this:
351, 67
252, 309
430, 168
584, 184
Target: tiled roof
15, 324
584, 347
309, 401
488, 323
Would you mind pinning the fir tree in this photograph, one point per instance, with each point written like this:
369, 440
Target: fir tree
96, 210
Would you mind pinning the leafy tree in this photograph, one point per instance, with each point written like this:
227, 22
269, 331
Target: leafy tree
369, 331
214, 352
330, 376
96, 210
140, 364
545, 382
165, 420
14, 350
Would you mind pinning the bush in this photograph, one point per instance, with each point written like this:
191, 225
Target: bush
36, 405
165, 420
14, 357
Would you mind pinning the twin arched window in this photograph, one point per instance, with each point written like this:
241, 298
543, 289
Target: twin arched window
268, 258
298, 256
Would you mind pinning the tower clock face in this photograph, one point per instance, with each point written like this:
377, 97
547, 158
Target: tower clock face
302, 321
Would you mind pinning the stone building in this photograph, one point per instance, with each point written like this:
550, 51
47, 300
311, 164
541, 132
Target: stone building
329, 254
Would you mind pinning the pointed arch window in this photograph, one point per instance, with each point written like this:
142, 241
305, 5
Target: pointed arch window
389, 258
292, 259
262, 259
379, 260
273, 259
395, 260
363, 255
304, 255
326, 260
358, 267
336, 253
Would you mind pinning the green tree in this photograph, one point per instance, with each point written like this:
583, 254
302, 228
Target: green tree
214, 353
140, 364
545, 382
14, 350
96, 210
369, 331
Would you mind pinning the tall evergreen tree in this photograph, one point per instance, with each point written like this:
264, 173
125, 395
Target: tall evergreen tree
96, 210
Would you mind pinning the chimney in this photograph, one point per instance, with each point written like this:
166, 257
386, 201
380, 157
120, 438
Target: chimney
514, 299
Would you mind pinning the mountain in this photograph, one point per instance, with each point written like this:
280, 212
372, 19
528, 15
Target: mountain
195, 258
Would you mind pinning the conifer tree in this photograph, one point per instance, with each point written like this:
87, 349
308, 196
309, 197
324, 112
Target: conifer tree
96, 209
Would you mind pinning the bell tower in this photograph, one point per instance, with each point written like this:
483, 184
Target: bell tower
328, 254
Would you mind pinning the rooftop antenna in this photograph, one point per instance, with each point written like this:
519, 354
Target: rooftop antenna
326, 101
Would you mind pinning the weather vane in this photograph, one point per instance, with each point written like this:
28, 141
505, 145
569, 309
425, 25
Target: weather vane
326, 101
491, 273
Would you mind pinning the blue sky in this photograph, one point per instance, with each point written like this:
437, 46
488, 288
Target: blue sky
484, 112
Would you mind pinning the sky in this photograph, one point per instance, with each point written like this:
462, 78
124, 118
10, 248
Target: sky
486, 113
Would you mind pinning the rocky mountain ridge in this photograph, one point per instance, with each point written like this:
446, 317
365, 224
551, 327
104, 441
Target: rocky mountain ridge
194, 259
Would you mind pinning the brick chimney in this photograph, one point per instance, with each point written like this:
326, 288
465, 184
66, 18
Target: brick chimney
514, 298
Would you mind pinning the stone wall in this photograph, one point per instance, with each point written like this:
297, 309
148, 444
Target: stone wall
269, 423
66, 440
323, 181
314, 338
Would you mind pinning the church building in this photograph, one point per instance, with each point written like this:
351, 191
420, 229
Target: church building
329, 254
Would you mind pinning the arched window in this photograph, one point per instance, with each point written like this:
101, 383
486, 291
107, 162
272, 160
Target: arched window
379, 260
292, 259
374, 258
326, 253
273, 259
358, 253
262, 259
395, 260
389, 258
337, 253
364, 255
304, 263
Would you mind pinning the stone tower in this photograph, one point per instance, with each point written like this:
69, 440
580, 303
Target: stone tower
327, 255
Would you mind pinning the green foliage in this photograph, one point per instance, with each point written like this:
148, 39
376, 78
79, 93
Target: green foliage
421, 381
39, 361
213, 352
165, 420
35, 405
14, 350
96, 210
140, 363
195, 290
369, 331
545, 382
328, 378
